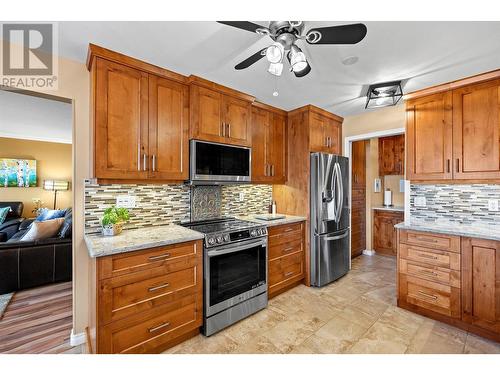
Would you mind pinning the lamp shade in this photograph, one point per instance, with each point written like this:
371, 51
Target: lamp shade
55, 185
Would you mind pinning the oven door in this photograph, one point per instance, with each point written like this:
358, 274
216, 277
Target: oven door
214, 163
234, 273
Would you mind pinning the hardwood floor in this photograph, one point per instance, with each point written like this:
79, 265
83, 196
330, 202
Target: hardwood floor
38, 320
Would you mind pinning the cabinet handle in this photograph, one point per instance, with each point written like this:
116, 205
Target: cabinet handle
163, 325
139, 156
229, 130
289, 273
153, 288
431, 296
458, 165
272, 169
154, 163
288, 249
221, 130
326, 141
426, 239
428, 272
427, 256
265, 169
448, 165
158, 257
145, 162
330, 142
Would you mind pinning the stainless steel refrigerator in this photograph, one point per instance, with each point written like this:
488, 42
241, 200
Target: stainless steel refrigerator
330, 250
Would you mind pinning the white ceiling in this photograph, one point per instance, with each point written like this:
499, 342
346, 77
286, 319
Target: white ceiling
39, 119
423, 53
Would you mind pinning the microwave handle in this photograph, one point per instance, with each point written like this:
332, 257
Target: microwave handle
233, 249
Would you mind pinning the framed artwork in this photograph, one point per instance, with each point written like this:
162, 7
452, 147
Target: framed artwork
17, 173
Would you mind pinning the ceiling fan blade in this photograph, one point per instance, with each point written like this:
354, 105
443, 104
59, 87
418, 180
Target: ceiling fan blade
344, 34
251, 60
244, 25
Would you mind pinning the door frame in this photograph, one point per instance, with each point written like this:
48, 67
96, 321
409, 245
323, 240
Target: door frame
347, 151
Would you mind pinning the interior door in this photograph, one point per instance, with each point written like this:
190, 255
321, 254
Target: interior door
429, 137
121, 122
168, 129
476, 131
206, 114
237, 114
358, 201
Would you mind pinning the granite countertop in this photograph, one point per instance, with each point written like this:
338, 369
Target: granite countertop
138, 239
289, 219
392, 208
466, 230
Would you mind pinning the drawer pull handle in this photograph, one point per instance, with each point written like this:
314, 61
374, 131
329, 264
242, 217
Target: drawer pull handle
289, 229
427, 256
289, 273
163, 325
158, 257
153, 288
426, 239
288, 249
432, 273
431, 296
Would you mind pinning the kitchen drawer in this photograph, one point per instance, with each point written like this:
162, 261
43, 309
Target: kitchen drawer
126, 295
431, 240
285, 268
431, 257
439, 298
432, 273
286, 248
285, 233
153, 329
120, 264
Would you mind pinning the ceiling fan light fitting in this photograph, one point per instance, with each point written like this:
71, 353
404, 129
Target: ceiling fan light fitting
275, 53
275, 69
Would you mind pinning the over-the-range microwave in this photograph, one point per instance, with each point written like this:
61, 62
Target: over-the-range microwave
216, 163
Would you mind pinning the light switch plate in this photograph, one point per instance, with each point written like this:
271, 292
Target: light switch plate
493, 205
401, 186
377, 185
420, 202
125, 201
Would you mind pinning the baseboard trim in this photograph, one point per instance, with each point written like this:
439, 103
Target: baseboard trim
76, 339
368, 252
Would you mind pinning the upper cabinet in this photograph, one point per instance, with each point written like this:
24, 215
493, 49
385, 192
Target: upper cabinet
324, 132
219, 114
476, 131
391, 155
453, 131
268, 144
141, 120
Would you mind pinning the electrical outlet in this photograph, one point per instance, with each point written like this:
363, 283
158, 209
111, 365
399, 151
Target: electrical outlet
125, 201
493, 205
420, 202
241, 197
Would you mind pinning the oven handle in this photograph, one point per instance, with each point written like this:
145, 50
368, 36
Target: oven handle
233, 249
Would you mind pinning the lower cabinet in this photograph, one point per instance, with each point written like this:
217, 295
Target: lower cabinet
148, 300
452, 279
384, 233
286, 254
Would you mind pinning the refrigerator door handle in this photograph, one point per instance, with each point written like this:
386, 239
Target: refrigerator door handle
333, 238
339, 192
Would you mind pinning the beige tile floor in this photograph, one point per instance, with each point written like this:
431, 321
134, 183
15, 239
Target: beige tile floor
356, 314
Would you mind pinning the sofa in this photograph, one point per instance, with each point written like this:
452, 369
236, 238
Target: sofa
11, 224
28, 264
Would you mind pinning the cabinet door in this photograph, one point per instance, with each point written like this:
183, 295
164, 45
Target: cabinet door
399, 148
476, 131
317, 137
481, 283
429, 138
332, 134
121, 121
206, 114
384, 233
237, 114
277, 149
261, 123
168, 129
387, 155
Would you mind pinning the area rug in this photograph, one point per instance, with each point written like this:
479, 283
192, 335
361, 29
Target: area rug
4, 302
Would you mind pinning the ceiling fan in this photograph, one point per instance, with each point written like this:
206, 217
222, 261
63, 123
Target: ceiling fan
285, 34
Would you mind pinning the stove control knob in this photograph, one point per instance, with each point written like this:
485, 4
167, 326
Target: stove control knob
253, 232
211, 240
219, 239
226, 238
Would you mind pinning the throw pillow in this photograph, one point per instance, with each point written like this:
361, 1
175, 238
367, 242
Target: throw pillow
47, 214
66, 227
40, 230
4, 211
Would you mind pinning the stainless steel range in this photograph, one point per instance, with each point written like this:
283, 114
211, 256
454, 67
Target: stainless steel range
234, 269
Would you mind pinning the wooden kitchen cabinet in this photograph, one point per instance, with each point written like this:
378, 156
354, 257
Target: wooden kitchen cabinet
268, 145
324, 133
219, 114
481, 284
391, 157
140, 119
384, 233
147, 300
476, 131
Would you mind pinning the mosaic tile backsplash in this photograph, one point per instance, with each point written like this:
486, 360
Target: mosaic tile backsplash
166, 204
460, 204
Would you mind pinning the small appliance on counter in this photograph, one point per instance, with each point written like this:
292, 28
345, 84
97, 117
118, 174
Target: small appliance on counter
388, 198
